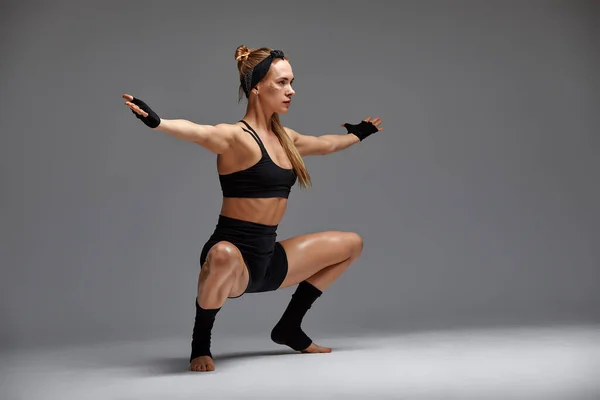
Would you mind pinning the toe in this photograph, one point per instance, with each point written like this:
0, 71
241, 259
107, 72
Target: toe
315, 348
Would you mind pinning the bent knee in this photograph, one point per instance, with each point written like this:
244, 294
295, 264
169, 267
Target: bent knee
223, 257
356, 242
352, 242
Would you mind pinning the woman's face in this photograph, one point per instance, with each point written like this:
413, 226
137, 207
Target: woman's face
275, 89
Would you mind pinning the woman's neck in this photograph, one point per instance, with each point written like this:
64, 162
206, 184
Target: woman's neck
259, 119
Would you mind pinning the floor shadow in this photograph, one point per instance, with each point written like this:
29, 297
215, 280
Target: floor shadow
251, 354
180, 365
165, 366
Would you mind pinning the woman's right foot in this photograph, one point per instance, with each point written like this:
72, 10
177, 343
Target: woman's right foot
202, 364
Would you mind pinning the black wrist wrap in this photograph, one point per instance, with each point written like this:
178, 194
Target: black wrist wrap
152, 120
362, 130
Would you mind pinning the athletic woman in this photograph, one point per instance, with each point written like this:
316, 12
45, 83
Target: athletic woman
258, 162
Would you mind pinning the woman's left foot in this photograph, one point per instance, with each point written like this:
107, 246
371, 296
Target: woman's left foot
296, 339
315, 348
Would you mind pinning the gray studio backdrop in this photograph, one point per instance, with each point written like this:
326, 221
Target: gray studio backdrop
478, 204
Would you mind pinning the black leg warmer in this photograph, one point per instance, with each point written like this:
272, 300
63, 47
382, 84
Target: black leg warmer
203, 325
288, 331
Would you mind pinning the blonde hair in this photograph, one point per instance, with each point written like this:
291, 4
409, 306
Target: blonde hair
246, 60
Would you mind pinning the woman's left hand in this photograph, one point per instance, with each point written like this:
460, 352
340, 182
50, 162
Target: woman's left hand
366, 128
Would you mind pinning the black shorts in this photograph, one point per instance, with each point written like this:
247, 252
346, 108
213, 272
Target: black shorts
263, 254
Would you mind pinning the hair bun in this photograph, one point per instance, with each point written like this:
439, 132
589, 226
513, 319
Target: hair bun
242, 53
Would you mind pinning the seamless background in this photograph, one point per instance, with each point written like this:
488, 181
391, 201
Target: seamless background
478, 204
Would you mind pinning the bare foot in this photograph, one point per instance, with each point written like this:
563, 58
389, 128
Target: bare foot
315, 348
202, 364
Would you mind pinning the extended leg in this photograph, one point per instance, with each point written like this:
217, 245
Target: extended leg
315, 261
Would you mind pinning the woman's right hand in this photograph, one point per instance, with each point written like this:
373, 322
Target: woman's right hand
218, 138
142, 111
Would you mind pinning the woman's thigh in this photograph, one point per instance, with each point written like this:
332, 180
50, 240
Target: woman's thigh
310, 253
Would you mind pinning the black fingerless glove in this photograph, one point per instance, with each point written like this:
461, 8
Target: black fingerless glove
362, 130
152, 120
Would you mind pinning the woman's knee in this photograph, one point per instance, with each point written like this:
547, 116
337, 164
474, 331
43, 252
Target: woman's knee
355, 242
351, 243
223, 258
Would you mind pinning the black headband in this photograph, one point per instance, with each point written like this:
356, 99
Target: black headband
254, 76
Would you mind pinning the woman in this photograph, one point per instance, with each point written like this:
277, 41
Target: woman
258, 161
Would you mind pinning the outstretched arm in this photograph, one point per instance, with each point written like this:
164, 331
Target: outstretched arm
308, 145
216, 138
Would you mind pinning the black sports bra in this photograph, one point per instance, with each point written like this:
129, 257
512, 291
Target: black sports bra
265, 179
